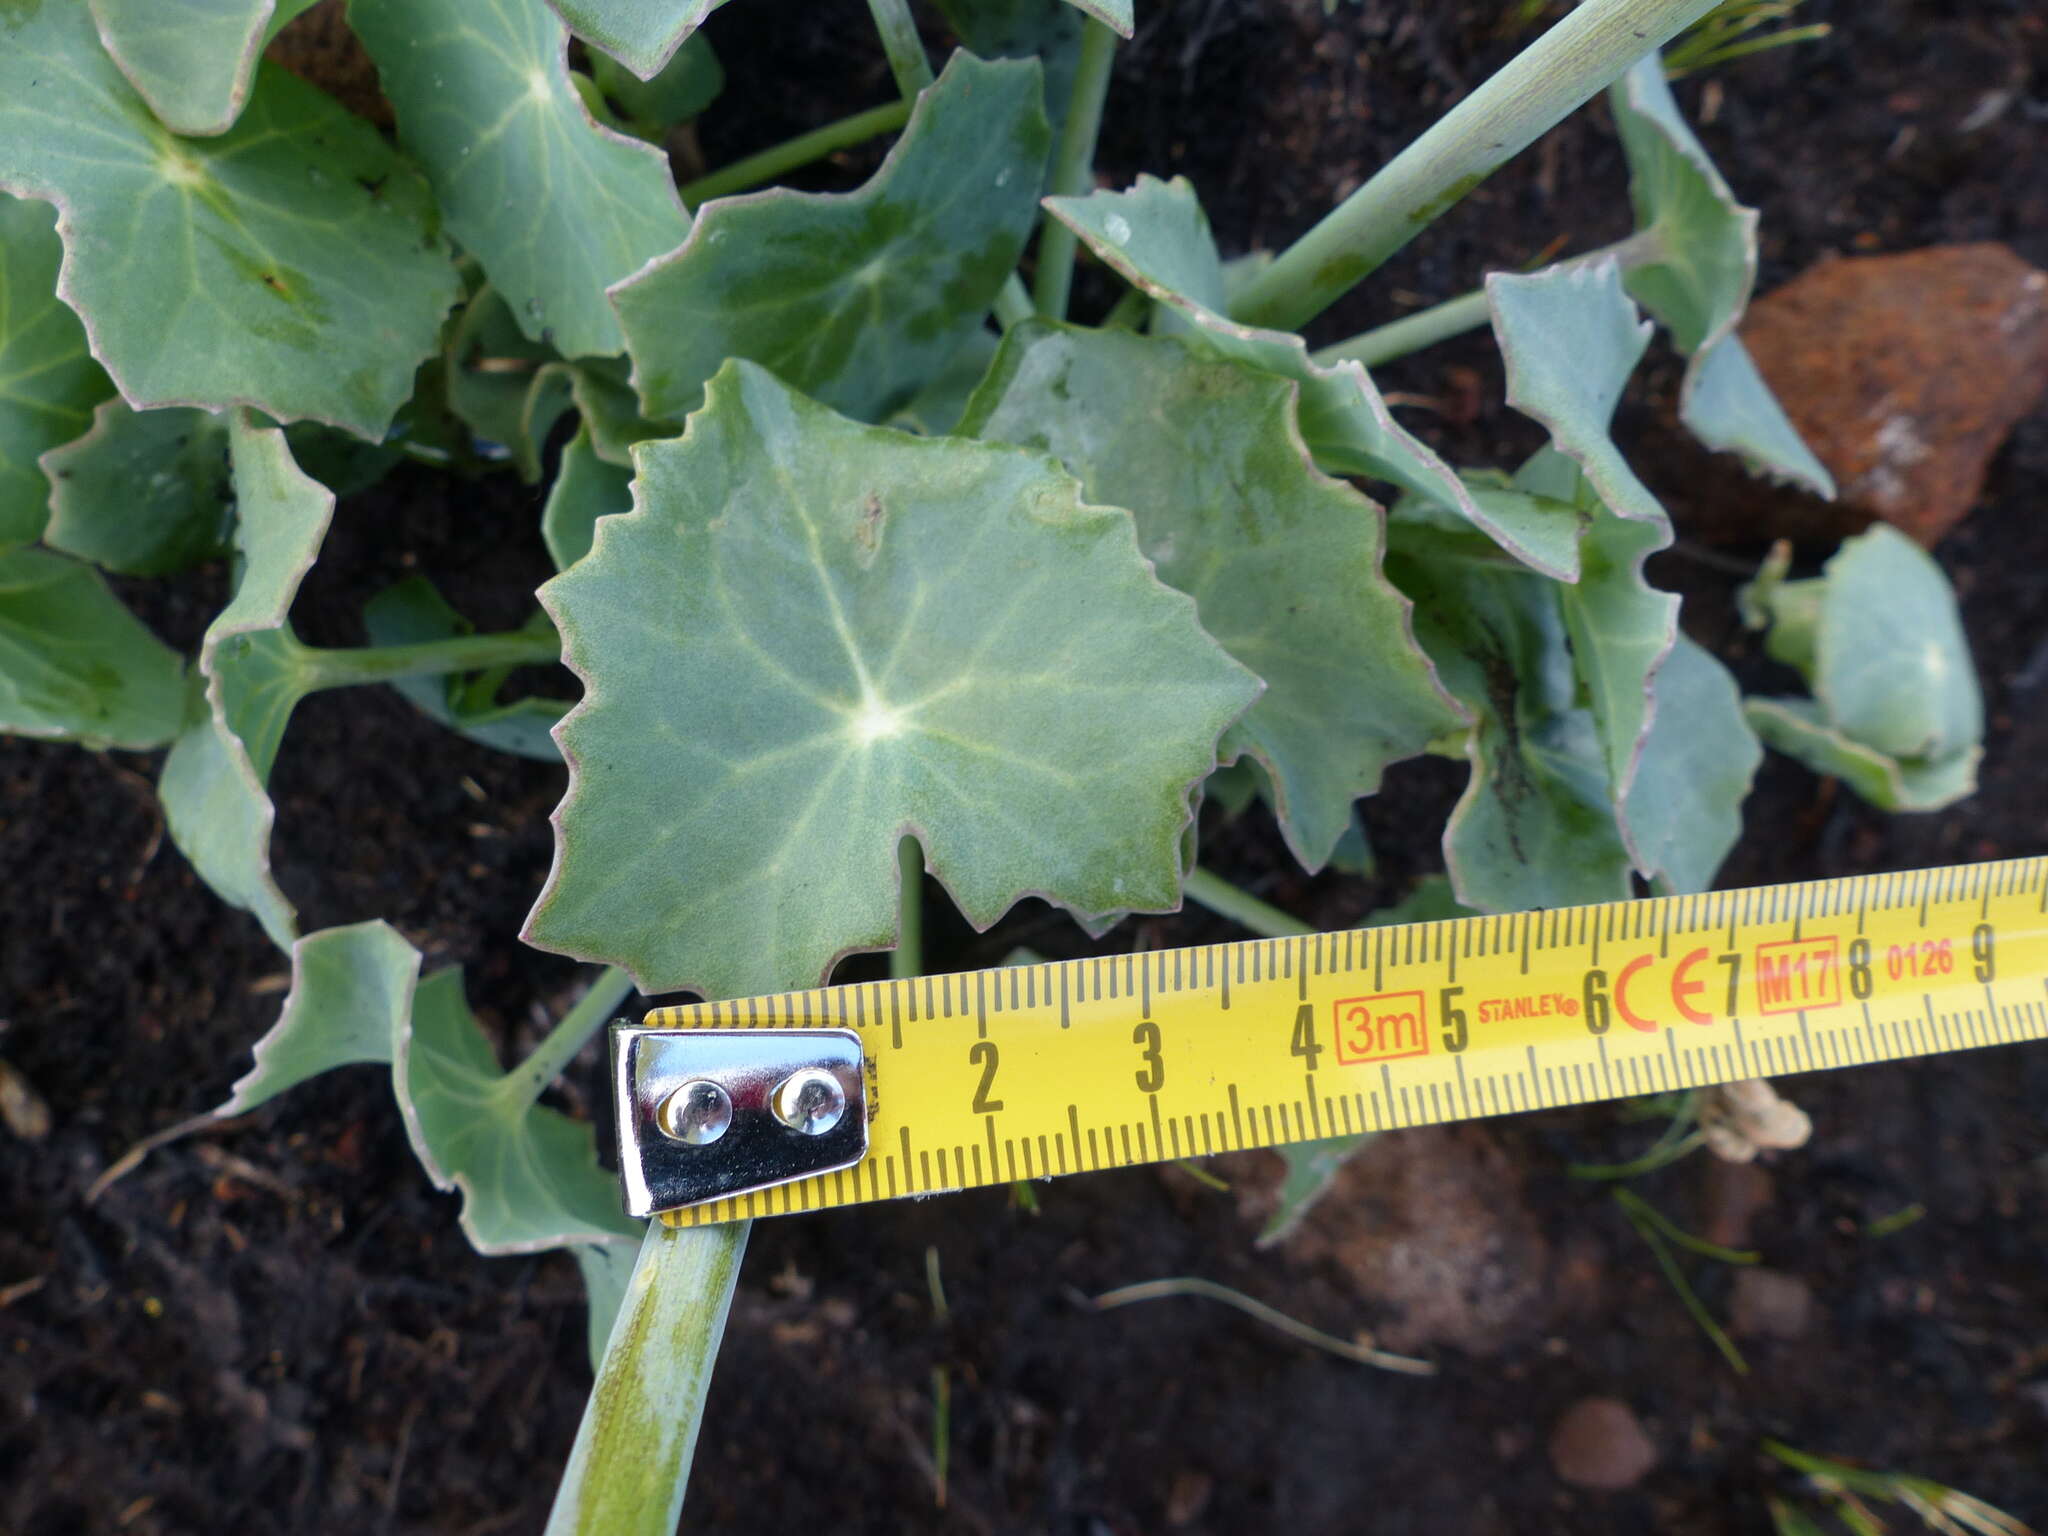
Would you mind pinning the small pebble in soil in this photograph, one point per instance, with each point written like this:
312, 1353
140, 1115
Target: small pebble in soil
1769, 1304
1600, 1443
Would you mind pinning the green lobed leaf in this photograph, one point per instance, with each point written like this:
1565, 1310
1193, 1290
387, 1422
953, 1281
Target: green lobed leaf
411, 612
1535, 826
1694, 269
1897, 711
1157, 238
585, 489
603, 396
1677, 754
937, 408
291, 264
191, 60
144, 493
860, 299
1570, 337
1893, 666
528, 1175
1799, 729
811, 637
1683, 810
1728, 406
501, 385
212, 786
75, 664
641, 34
1698, 262
687, 84
555, 206
1047, 30
352, 990
1283, 562
49, 383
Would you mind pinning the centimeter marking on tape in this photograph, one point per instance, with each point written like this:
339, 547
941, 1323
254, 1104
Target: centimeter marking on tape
1072, 1066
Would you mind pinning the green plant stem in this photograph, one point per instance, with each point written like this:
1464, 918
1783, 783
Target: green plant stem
1073, 167
349, 668
1012, 302
527, 1081
779, 159
1128, 312
1241, 907
1467, 312
907, 958
1580, 56
907, 59
631, 1461
1411, 333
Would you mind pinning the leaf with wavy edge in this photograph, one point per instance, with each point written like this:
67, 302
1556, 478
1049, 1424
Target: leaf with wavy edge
553, 205
1878, 638
1684, 807
1570, 337
1695, 273
505, 388
585, 489
1047, 30
1800, 729
643, 35
49, 383
191, 60
810, 637
75, 664
1535, 826
1157, 238
351, 992
688, 83
528, 1175
861, 298
1283, 562
212, 786
412, 612
144, 493
291, 264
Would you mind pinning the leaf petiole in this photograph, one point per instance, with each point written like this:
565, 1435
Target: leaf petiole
1074, 166
526, 1082
779, 159
1579, 57
1467, 312
318, 668
1241, 907
907, 59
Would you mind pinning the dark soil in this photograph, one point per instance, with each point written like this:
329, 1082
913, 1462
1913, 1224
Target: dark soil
276, 1326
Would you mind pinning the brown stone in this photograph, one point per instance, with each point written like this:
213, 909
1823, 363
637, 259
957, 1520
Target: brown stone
1732, 1196
1428, 1227
1600, 1443
1904, 373
1769, 1304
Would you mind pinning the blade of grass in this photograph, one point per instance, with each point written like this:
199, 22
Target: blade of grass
1669, 1265
1637, 1206
1315, 1338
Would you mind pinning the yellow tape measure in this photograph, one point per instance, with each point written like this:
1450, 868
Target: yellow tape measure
1068, 1067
